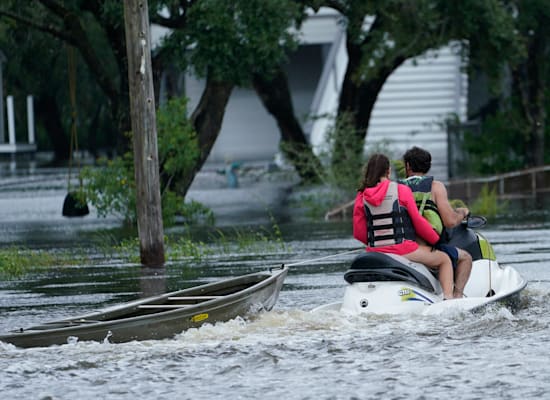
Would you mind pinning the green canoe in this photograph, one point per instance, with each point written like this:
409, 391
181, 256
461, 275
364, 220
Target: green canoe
162, 316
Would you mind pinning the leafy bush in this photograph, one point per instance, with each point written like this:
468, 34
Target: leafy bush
178, 145
501, 146
487, 203
111, 188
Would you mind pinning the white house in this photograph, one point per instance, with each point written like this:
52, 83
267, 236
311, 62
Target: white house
410, 110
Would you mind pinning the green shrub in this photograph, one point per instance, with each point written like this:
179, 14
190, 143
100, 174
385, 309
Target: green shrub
16, 261
488, 204
111, 186
500, 147
341, 168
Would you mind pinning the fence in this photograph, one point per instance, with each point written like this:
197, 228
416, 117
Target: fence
528, 184
531, 185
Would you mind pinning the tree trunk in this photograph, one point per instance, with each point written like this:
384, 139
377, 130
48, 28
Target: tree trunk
529, 83
143, 119
50, 117
538, 58
275, 96
357, 100
207, 120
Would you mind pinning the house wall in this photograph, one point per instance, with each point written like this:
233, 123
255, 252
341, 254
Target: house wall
415, 102
249, 133
411, 109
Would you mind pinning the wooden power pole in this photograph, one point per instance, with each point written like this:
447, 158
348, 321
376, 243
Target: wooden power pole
144, 128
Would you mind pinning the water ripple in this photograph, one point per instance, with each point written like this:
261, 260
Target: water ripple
290, 353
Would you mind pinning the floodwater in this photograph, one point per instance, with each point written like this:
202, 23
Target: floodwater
288, 353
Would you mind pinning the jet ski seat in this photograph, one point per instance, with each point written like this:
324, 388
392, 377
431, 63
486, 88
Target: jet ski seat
376, 267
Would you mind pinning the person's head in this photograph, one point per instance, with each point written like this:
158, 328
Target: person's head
377, 167
417, 160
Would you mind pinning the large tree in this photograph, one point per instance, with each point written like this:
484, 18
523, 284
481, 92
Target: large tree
29, 58
96, 30
530, 76
381, 35
514, 127
227, 43
240, 43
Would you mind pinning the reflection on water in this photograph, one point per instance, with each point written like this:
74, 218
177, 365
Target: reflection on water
288, 353
152, 281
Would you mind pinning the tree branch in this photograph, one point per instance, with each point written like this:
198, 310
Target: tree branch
75, 35
56, 8
336, 5
63, 35
177, 18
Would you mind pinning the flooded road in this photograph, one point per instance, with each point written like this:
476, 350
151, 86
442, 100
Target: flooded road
289, 353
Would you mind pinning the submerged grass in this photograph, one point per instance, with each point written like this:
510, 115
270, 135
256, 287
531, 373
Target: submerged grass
17, 261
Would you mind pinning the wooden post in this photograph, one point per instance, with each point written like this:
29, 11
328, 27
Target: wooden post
11, 121
2, 122
142, 111
30, 120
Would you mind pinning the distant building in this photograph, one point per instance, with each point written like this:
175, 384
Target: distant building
9, 146
410, 110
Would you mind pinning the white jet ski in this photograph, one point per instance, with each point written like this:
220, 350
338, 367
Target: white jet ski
380, 283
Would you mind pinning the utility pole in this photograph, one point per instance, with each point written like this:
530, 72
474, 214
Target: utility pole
144, 128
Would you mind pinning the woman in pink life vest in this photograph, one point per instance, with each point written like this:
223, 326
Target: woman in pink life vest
386, 219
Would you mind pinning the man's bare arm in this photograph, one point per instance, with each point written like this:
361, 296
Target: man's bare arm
450, 216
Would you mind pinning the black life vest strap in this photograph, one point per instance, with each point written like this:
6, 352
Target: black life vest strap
399, 226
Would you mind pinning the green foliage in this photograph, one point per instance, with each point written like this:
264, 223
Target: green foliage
501, 146
547, 131
126, 249
12, 262
403, 29
530, 83
190, 212
111, 188
399, 169
188, 247
487, 33
512, 138
178, 153
381, 35
230, 40
178, 145
33, 55
317, 201
17, 261
339, 180
487, 203
344, 159
248, 240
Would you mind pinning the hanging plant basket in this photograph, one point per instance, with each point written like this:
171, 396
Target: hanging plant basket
75, 205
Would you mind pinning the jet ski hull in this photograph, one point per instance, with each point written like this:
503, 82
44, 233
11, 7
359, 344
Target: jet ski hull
380, 283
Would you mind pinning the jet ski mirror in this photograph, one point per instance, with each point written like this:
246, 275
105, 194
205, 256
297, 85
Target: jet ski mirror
476, 221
